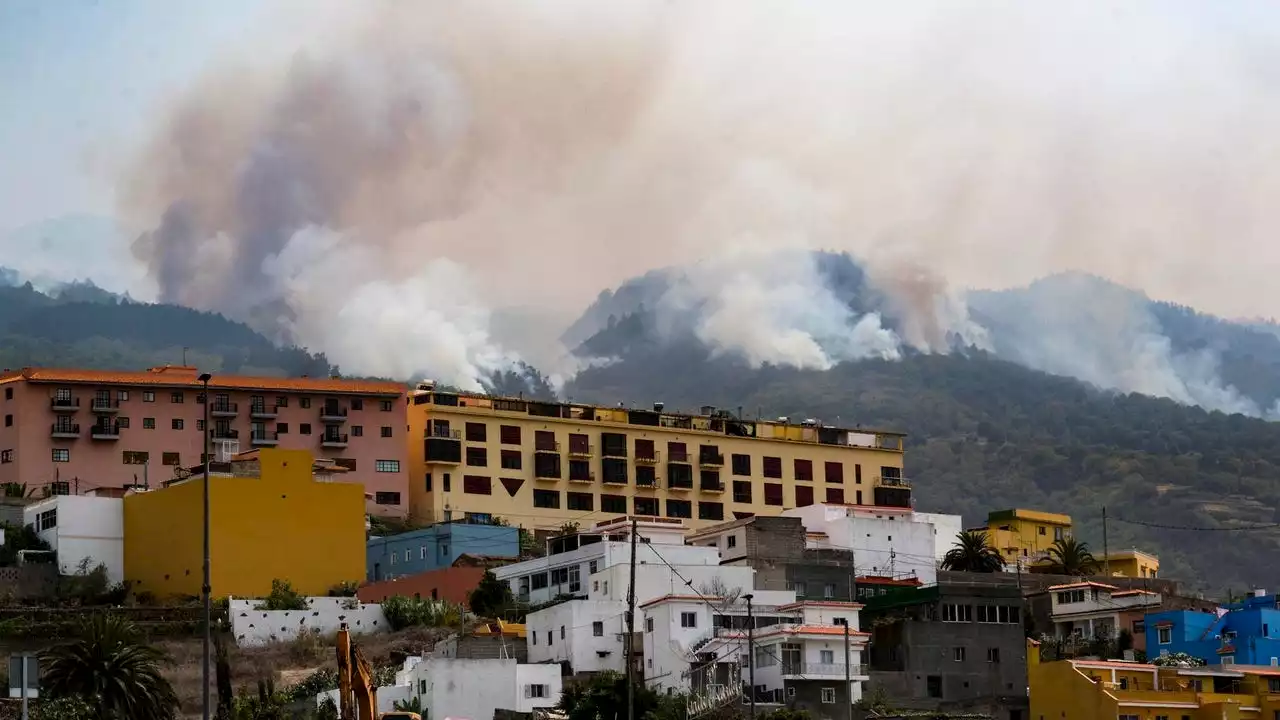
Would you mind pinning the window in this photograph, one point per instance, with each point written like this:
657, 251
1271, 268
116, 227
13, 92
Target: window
511, 460
988, 614
742, 491
592, 567
804, 470
1040, 530
993, 655
646, 506
283, 401
282, 428
648, 624
773, 494
731, 541
827, 657
741, 464
957, 613
386, 466
61, 455
6, 456
688, 620
1164, 635
710, 511
772, 467
804, 496
546, 499
597, 629
828, 591
8, 421
175, 397
581, 501
304, 428
857, 474
170, 458
177, 423
356, 403
834, 472
303, 402
1140, 627
679, 509
613, 504
537, 691
357, 431
1057, 533
509, 434
8, 393
148, 396
933, 686
828, 695
46, 520
477, 457
386, 498
835, 496
386, 405
148, 423
958, 654
538, 581
200, 425
386, 431
561, 632
477, 485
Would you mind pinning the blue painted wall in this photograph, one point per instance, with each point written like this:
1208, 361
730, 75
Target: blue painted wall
435, 547
1249, 633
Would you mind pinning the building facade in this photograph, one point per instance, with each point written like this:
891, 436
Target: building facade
545, 464
952, 646
83, 429
1243, 633
283, 525
84, 530
437, 546
1028, 534
1096, 611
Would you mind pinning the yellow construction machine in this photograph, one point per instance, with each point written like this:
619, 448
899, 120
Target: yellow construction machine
357, 693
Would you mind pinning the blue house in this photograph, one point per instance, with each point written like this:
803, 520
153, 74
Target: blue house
437, 546
1247, 633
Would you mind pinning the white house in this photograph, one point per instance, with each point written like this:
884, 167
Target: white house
80, 528
572, 559
698, 645
946, 528
1088, 610
885, 541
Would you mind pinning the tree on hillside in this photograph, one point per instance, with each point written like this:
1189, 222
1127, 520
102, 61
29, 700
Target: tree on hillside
491, 597
972, 553
109, 663
1072, 557
603, 694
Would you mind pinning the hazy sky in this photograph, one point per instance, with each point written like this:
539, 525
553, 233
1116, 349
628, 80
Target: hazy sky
78, 81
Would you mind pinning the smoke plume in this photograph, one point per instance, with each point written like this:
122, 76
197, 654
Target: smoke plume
419, 166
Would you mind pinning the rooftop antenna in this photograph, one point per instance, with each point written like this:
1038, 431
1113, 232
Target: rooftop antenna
184, 355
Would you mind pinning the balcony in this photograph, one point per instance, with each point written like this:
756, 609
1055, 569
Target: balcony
646, 483
105, 431
615, 480
442, 446
224, 409
263, 437
682, 484
648, 457
712, 460
711, 487
104, 406
547, 447
333, 414
224, 434
264, 412
897, 482
678, 456
822, 671
67, 405
581, 452
64, 431
333, 440
588, 478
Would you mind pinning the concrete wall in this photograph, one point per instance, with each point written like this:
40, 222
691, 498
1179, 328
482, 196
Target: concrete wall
476, 688
87, 527
453, 584
580, 647
254, 628
283, 526
29, 582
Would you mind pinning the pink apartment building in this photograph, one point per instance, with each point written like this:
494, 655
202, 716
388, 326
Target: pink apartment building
91, 429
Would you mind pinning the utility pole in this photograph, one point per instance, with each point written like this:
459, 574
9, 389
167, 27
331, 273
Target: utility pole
1106, 551
848, 671
631, 628
206, 588
751, 656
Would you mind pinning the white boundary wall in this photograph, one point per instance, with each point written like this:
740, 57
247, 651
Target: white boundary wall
255, 628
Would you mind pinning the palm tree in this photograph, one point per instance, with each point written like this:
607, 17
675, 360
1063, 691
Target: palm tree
1072, 557
972, 553
111, 665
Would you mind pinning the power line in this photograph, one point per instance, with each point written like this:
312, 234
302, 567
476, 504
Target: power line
1189, 528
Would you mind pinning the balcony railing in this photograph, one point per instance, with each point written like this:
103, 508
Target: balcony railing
678, 456
715, 486
442, 433
64, 430
893, 482
822, 670
333, 440
547, 447
581, 451
223, 409
64, 404
104, 405
224, 434
648, 457
263, 437
682, 484
333, 414
646, 482
711, 459
263, 411
615, 480
588, 478
105, 431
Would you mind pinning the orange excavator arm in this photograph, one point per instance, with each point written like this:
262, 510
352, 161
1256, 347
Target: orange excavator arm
357, 694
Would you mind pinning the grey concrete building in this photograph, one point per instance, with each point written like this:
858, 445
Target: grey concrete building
958, 646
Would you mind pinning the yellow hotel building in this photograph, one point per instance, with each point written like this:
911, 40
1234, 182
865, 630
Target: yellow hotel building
542, 464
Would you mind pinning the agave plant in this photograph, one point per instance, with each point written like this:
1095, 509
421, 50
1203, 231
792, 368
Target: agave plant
109, 663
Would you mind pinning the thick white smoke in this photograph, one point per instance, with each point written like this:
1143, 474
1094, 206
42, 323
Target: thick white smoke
459, 158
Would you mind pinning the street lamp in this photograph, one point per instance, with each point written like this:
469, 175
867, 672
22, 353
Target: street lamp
205, 588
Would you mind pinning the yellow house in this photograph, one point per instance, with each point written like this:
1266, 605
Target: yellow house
1130, 563
282, 525
1026, 533
1116, 690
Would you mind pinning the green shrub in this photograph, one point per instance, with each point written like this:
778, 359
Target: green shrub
403, 612
283, 597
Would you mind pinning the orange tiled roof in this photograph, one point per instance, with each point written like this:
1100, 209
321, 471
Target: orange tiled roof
821, 603
187, 376
810, 630
1086, 583
1126, 593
